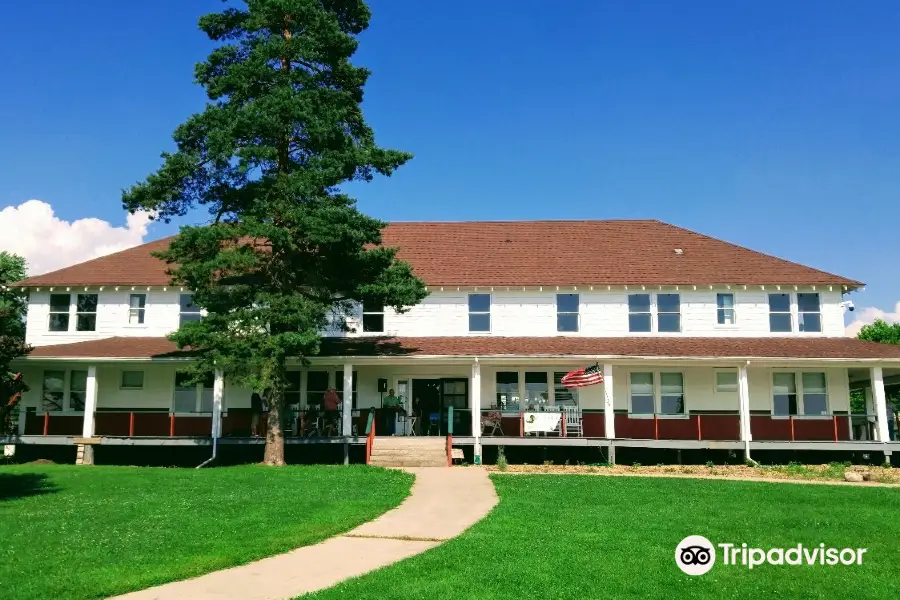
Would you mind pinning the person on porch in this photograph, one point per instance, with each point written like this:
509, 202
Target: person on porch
393, 405
332, 404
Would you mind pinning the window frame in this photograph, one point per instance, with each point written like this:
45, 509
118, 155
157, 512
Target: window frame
737, 381
654, 312
140, 311
199, 390
723, 310
800, 313
124, 387
66, 401
497, 391
801, 394
373, 313
795, 313
789, 312
85, 313
657, 395
471, 313
182, 312
67, 313
567, 313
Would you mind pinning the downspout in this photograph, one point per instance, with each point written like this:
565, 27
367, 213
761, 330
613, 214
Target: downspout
211, 458
218, 393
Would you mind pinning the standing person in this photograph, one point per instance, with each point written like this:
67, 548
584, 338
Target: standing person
889, 417
332, 404
256, 410
393, 405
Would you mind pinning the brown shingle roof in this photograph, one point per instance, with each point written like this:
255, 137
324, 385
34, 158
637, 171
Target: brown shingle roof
522, 253
693, 347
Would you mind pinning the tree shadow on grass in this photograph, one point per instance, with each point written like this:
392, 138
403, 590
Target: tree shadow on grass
21, 485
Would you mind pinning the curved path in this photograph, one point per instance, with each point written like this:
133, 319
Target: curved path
443, 503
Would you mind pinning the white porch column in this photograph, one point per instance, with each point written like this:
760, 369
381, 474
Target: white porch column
218, 398
347, 413
880, 404
870, 413
609, 413
475, 406
90, 403
744, 409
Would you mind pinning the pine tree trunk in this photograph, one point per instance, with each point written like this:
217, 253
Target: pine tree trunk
274, 455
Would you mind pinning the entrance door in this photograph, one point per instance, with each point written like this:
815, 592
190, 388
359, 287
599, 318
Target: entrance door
432, 398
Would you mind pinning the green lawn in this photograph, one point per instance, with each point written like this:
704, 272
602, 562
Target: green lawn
582, 537
87, 532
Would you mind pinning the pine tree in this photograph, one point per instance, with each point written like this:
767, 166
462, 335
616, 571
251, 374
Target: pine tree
285, 248
13, 306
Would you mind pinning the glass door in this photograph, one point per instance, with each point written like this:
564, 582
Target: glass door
455, 393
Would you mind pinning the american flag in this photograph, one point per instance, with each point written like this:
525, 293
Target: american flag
583, 377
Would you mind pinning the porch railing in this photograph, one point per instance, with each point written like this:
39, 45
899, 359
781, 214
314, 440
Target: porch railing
450, 436
370, 435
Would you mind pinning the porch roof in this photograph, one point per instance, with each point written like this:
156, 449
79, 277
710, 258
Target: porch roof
826, 348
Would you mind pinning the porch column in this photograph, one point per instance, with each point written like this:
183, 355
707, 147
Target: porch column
880, 404
347, 412
475, 406
90, 403
218, 397
870, 414
744, 409
85, 453
609, 413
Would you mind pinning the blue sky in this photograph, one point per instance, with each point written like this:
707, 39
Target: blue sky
768, 125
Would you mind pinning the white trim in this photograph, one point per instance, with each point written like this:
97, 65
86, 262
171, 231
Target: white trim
90, 402
489, 313
737, 382
798, 388
734, 311
131, 389
577, 313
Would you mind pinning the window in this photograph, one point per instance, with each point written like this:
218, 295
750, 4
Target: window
137, 304
187, 309
815, 394
809, 316
537, 392
726, 381
780, 313
784, 394
206, 393
725, 309
132, 380
77, 389
562, 396
292, 389
185, 397
59, 312
668, 308
507, 390
316, 386
567, 312
671, 393
86, 312
53, 391
639, 313
373, 316
642, 402
339, 384
479, 312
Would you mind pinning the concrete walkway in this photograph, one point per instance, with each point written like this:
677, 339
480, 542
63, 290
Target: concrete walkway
443, 503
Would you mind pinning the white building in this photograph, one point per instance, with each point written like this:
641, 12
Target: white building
702, 344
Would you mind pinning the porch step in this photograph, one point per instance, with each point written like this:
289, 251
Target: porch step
409, 452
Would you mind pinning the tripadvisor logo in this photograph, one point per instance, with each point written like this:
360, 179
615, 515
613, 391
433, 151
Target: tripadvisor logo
696, 555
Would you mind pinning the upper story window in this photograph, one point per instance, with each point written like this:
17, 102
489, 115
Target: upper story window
725, 309
188, 311
812, 399
567, 312
639, 313
59, 312
667, 311
479, 312
808, 316
809, 312
85, 312
780, 313
137, 306
372, 316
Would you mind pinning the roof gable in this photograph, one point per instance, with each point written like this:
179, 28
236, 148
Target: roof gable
522, 253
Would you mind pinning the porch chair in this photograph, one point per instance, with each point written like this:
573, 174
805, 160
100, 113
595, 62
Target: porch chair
494, 420
434, 423
573, 420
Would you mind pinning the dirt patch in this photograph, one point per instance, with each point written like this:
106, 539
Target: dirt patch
42, 461
830, 473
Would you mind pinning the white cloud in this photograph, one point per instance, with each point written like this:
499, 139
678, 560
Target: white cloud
869, 315
48, 243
